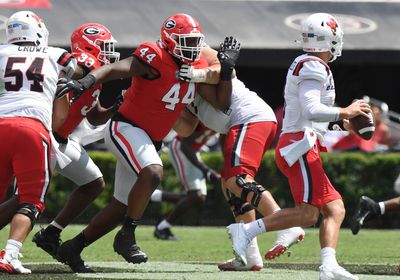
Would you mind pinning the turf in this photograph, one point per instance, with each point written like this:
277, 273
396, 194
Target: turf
199, 249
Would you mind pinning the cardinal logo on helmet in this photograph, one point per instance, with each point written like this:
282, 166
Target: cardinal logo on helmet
332, 24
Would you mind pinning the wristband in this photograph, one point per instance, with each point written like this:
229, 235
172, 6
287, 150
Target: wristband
88, 81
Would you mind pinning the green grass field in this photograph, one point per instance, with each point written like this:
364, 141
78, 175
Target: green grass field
372, 254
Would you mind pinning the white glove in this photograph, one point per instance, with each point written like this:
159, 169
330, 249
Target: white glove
188, 74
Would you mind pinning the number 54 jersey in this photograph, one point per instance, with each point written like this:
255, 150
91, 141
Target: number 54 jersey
28, 80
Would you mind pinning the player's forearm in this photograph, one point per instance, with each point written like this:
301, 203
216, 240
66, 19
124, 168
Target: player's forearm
60, 112
100, 116
224, 94
192, 157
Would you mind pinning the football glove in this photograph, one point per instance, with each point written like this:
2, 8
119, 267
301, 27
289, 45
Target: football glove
228, 55
213, 177
189, 74
77, 87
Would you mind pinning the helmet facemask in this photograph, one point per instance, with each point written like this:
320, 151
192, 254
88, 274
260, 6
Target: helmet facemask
187, 46
107, 53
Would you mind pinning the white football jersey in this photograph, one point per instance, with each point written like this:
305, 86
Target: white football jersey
306, 67
28, 80
246, 106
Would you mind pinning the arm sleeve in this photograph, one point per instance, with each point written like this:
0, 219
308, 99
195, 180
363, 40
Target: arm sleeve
312, 108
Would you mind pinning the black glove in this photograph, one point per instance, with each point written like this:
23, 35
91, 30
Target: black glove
213, 177
77, 87
228, 55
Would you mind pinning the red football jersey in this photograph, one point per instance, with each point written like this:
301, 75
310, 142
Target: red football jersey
78, 110
202, 134
155, 105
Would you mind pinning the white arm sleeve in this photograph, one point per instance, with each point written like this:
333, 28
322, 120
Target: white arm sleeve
312, 108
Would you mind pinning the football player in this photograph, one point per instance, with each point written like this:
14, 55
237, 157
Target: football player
29, 73
152, 106
249, 125
309, 98
92, 45
193, 173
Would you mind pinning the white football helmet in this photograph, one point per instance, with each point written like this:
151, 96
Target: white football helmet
26, 26
320, 33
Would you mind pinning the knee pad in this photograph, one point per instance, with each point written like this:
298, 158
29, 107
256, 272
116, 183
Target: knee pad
29, 210
250, 187
237, 204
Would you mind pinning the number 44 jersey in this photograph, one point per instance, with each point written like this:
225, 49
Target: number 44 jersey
154, 105
28, 80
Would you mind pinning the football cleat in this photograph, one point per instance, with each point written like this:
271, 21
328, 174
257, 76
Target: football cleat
70, 254
125, 245
335, 273
47, 242
286, 238
364, 209
12, 264
237, 265
164, 234
240, 241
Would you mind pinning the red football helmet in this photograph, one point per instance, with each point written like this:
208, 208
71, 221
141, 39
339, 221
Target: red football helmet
181, 36
95, 39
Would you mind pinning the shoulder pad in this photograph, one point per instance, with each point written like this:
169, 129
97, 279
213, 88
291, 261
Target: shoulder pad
149, 53
87, 60
312, 68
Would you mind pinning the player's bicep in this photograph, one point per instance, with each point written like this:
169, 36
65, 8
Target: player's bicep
208, 93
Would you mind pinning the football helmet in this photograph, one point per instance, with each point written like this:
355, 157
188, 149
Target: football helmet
181, 36
95, 39
26, 26
321, 32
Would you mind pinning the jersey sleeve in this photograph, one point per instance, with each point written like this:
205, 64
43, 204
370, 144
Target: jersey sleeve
312, 70
87, 61
150, 54
64, 59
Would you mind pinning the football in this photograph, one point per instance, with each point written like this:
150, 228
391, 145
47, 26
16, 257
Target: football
363, 126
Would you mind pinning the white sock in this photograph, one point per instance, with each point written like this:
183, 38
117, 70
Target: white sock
57, 225
12, 249
156, 196
328, 257
254, 228
382, 206
164, 224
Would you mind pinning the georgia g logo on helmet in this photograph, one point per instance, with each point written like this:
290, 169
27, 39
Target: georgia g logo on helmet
91, 30
170, 24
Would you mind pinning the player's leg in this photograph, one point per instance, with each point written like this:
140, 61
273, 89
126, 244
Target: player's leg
243, 151
7, 210
165, 196
333, 214
369, 209
242, 212
83, 172
304, 214
194, 182
104, 222
31, 166
134, 148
